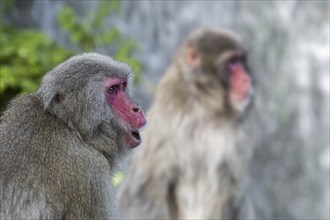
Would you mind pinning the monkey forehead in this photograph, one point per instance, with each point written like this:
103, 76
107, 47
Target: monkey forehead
214, 40
84, 67
208, 32
113, 81
102, 63
91, 64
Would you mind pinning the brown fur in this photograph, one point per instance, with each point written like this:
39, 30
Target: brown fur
195, 152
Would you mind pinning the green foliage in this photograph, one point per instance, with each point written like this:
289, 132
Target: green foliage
25, 56
6, 4
90, 33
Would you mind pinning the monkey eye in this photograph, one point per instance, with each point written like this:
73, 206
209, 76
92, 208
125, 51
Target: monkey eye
235, 59
112, 90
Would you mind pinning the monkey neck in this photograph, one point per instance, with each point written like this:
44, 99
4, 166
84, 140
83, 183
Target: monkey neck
104, 139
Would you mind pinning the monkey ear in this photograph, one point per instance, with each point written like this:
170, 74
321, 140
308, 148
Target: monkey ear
52, 96
192, 57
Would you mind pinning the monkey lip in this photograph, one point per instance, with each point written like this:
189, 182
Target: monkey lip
136, 135
133, 138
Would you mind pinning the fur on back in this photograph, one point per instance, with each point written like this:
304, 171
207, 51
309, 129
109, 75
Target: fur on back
57, 145
192, 159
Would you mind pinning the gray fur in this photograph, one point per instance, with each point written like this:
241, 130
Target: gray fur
58, 145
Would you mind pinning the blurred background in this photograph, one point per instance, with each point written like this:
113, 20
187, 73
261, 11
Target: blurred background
288, 43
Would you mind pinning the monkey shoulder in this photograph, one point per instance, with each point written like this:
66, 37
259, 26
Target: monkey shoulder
25, 125
30, 133
42, 163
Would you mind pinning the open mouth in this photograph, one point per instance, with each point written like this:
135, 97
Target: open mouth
133, 138
136, 135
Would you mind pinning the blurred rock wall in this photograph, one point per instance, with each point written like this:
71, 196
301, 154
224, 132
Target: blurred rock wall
288, 42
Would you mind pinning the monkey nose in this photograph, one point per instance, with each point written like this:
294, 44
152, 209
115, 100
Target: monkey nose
140, 118
136, 109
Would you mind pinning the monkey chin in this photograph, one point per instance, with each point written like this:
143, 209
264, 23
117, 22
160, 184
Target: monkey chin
240, 103
132, 138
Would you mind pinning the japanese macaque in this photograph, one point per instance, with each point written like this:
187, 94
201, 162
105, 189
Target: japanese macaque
58, 145
194, 156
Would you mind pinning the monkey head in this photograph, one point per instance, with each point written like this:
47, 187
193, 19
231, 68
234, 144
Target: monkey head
216, 58
90, 93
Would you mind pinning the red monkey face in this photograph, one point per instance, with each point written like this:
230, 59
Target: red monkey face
239, 80
129, 114
217, 59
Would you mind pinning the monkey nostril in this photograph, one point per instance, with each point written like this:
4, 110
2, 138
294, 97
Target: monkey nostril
136, 109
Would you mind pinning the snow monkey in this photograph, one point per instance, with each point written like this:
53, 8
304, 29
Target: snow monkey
195, 152
58, 144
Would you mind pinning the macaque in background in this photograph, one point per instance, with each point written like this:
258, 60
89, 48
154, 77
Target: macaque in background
195, 154
58, 145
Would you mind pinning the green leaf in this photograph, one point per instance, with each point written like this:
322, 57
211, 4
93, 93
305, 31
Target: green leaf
108, 37
24, 59
118, 178
90, 32
67, 18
